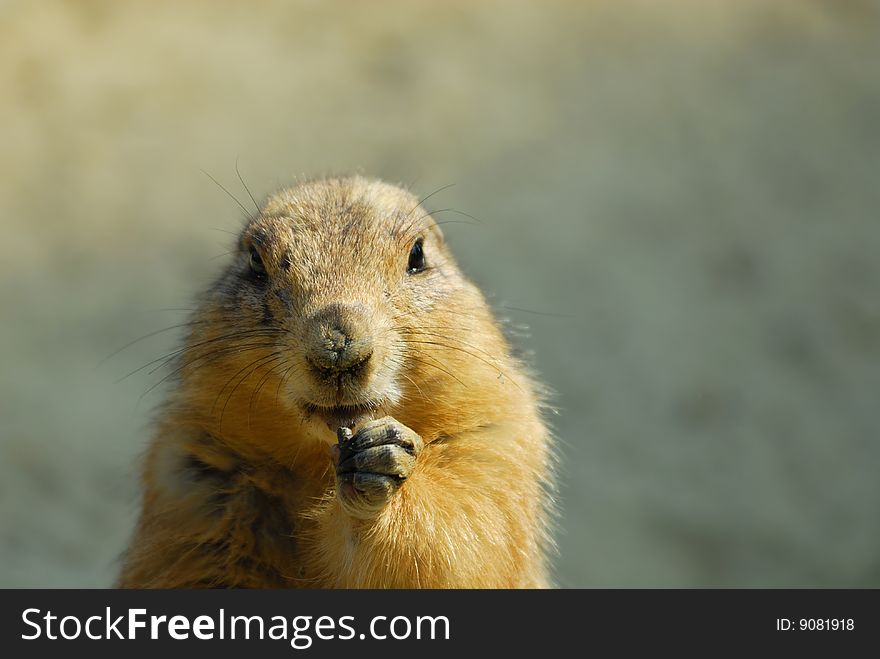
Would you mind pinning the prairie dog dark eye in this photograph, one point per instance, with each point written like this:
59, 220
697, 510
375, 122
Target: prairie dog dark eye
416, 258
255, 261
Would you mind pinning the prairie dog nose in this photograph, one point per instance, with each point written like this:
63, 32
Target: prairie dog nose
339, 339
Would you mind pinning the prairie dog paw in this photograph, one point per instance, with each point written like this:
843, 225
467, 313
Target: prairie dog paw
373, 463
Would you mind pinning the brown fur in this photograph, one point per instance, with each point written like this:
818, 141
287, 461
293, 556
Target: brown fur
241, 484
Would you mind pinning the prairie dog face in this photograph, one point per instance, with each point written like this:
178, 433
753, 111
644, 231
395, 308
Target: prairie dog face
328, 286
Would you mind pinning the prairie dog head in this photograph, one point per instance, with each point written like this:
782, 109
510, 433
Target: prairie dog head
341, 302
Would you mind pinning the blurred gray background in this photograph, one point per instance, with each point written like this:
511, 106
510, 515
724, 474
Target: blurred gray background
683, 196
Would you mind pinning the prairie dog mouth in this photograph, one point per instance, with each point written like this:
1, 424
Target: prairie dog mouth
343, 416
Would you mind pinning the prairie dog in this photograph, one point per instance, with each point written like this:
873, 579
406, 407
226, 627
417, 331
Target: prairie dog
346, 413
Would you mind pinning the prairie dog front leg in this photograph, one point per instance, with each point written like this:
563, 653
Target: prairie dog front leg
373, 463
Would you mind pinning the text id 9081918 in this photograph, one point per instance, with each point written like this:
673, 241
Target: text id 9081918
815, 624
